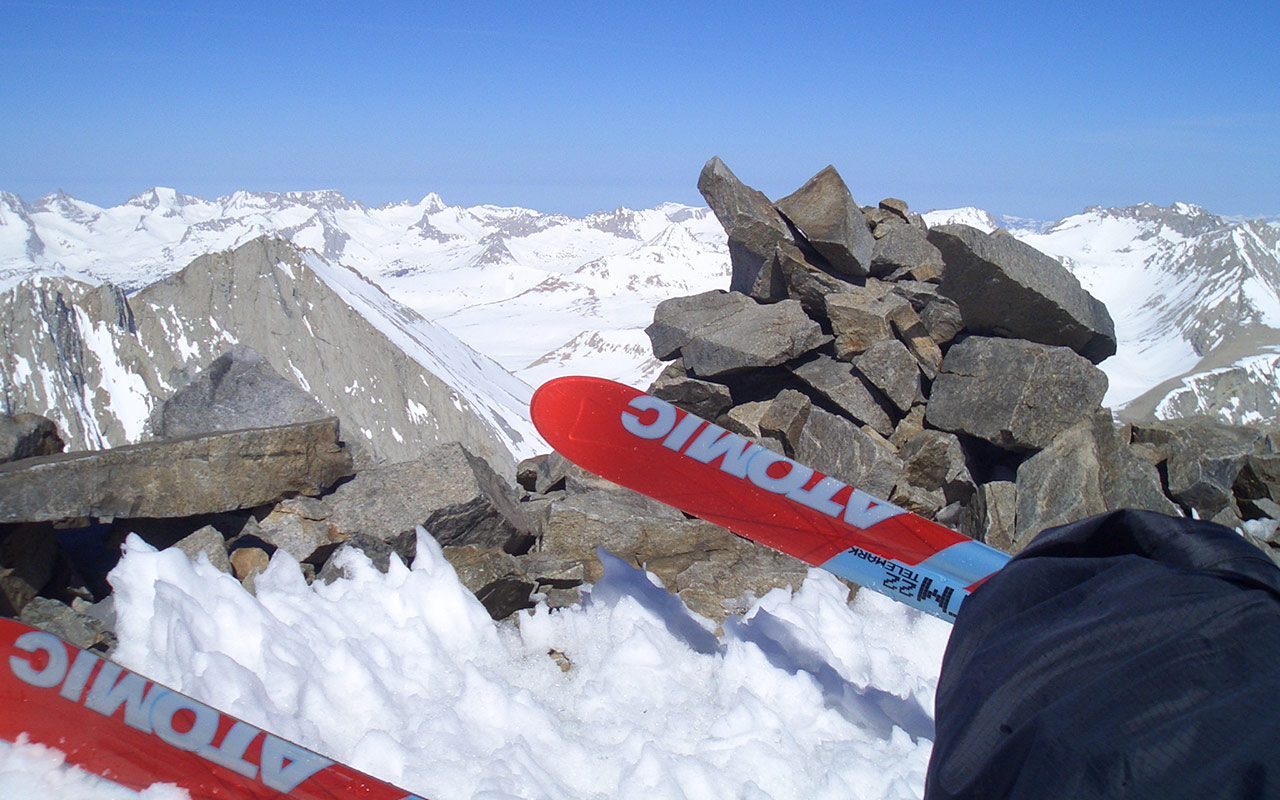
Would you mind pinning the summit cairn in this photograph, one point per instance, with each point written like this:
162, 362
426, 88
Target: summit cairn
935, 366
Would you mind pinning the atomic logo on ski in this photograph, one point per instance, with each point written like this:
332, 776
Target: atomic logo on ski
119, 725
648, 445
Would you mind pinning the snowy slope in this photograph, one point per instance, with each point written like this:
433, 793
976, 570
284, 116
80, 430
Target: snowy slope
405, 676
580, 288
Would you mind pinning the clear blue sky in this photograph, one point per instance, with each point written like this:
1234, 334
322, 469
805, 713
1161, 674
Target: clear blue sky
1022, 108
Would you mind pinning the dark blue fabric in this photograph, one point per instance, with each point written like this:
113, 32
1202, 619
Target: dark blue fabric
1128, 655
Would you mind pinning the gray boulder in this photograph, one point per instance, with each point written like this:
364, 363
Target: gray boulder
710, 568
238, 390
706, 399
1010, 289
1015, 394
784, 419
808, 284
911, 331
1087, 469
859, 319
835, 446
720, 334
891, 368
176, 478
942, 319
82, 630
210, 541
754, 228
905, 251
849, 391
454, 495
1203, 460
935, 460
825, 214
992, 514
26, 436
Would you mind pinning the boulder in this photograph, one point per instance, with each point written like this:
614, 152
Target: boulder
207, 540
299, 526
454, 495
905, 251
784, 419
825, 214
176, 478
808, 284
911, 331
1015, 394
706, 399
891, 368
744, 420
720, 334
1010, 289
896, 208
545, 473
703, 563
859, 319
1087, 469
238, 390
991, 516
935, 460
847, 390
82, 630
835, 446
26, 436
942, 319
494, 577
1203, 459
1258, 479
754, 229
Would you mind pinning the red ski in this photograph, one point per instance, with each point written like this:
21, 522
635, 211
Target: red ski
119, 725
650, 446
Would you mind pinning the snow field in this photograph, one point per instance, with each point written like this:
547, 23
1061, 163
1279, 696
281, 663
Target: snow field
405, 676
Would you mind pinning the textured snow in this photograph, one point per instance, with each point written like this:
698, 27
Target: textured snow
405, 676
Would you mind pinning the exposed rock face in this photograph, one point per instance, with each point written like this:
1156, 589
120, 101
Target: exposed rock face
110, 360
178, 478
1007, 288
1017, 395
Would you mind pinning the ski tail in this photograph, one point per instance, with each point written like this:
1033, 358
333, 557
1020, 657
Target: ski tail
118, 725
648, 445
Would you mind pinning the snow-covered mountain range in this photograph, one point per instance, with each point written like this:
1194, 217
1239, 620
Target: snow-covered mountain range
1196, 297
533, 291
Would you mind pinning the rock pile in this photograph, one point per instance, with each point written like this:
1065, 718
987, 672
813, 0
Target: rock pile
948, 370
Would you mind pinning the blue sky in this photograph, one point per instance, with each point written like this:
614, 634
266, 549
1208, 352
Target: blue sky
1019, 108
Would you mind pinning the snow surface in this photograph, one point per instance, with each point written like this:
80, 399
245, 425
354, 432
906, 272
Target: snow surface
405, 676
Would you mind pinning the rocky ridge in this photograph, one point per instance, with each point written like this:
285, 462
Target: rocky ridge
952, 372
98, 362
